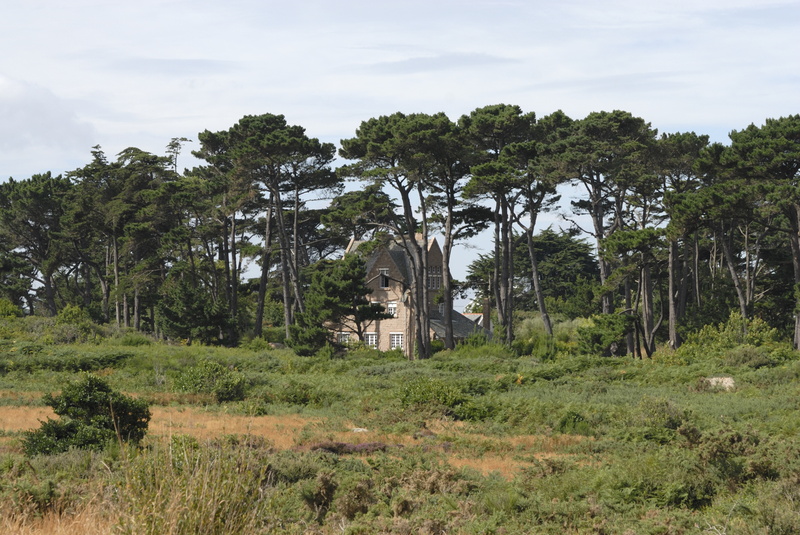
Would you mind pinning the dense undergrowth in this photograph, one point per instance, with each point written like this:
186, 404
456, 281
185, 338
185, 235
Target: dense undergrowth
699, 440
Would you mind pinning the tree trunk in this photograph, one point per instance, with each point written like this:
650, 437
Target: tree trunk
265, 263
794, 240
631, 343
537, 287
646, 283
447, 287
49, 293
496, 277
115, 260
287, 297
507, 271
740, 295
136, 313
674, 339
697, 293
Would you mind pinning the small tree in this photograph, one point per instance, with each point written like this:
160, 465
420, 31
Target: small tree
92, 415
336, 299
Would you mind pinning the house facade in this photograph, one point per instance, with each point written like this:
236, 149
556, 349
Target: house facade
389, 276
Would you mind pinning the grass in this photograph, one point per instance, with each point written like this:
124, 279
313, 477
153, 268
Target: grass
476, 440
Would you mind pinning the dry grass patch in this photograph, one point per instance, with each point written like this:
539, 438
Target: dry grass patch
489, 464
281, 431
483, 453
92, 519
16, 418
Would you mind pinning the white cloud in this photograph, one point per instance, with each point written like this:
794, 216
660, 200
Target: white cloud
33, 116
39, 131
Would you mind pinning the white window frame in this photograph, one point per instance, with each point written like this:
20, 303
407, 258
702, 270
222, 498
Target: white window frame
391, 308
371, 340
383, 276
434, 277
396, 341
344, 337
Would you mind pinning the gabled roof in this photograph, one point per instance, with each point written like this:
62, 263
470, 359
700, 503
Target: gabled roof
462, 326
395, 251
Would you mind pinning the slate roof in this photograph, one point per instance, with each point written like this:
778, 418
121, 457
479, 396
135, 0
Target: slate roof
462, 326
395, 252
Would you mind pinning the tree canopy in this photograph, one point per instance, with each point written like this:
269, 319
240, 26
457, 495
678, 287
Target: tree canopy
682, 230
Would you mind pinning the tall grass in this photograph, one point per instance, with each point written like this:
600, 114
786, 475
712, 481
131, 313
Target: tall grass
222, 487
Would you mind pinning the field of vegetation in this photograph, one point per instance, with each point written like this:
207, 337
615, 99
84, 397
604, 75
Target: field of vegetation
482, 439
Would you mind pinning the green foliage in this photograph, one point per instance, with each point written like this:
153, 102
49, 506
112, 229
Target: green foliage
428, 390
188, 311
567, 269
210, 377
598, 444
606, 334
29, 357
8, 309
336, 299
92, 415
72, 314
751, 343
134, 339
574, 423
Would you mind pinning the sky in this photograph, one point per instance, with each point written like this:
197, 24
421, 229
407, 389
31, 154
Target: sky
136, 74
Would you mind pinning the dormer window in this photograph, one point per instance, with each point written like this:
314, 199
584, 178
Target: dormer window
383, 277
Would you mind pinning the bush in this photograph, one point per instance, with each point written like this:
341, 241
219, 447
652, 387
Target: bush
750, 343
747, 355
9, 309
606, 335
210, 377
92, 414
430, 391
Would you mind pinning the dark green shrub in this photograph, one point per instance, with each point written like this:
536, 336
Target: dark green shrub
34, 357
318, 494
573, 423
72, 325
92, 414
210, 377
57, 436
476, 339
606, 335
737, 457
747, 355
134, 339
426, 391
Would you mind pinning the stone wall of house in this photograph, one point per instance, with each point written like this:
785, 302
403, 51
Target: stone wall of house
388, 277
390, 288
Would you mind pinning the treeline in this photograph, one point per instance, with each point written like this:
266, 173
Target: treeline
685, 230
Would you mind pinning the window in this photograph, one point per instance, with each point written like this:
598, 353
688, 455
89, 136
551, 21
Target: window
344, 338
384, 277
434, 277
396, 340
391, 309
441, 308
371, 340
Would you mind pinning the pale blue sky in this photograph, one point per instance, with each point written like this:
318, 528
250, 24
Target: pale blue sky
86, 72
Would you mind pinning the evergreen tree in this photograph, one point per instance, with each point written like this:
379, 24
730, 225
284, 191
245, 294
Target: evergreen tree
336, 301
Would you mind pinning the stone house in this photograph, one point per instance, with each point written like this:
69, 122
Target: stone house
389, 277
